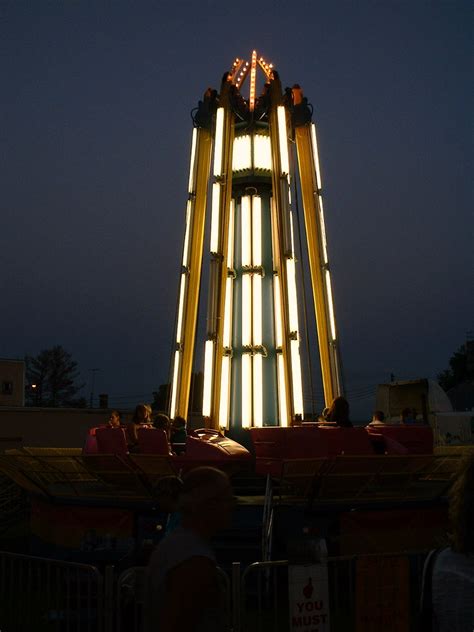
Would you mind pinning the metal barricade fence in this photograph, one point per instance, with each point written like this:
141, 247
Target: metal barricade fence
261, 603
41, 594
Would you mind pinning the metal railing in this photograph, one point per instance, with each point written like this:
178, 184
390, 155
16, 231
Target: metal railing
42, 594
261, 601
38, 594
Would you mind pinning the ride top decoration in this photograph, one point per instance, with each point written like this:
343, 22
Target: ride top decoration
243, 155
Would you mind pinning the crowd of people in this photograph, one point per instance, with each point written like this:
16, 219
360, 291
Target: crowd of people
143, 416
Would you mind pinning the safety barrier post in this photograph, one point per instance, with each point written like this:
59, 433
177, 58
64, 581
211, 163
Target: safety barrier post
109, 580
236, 598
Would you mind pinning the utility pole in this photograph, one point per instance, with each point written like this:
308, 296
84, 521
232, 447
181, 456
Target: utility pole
91, 402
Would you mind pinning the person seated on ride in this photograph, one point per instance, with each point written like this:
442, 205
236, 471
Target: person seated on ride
338, 414
178, 434
141, 417
162, 422
407, 416
115, 419
378, 418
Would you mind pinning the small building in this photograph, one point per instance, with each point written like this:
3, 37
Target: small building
12, 382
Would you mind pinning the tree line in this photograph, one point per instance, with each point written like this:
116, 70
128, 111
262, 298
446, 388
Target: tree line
52, 380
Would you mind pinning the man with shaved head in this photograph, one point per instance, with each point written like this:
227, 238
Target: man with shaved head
183, 593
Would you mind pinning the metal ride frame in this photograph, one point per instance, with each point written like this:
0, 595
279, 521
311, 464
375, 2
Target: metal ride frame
249, 144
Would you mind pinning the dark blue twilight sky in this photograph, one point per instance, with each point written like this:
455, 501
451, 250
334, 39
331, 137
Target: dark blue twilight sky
94, 156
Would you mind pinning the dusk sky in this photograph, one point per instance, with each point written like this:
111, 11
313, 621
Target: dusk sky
95, 141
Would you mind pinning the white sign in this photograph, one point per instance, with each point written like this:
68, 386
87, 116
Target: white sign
308, 598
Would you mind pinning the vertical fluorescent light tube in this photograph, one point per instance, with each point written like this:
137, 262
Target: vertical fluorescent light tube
218, 142
314, 143
246, 279
257, 390
257, 230
246, 231
277, 310
224, 399
227, 334
216, 200
330, 305
191, 166
323, 230
292, 298
182, 291
292, 234
282, 391
242, 153
262, 152
230, 241
186, 234
174, 389
283, 140
246, 390
296, 378
208, 368
246, 310
257, 309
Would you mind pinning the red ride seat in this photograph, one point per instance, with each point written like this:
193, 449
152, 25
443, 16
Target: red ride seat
417, 439
111, 441
153, 441
90, 444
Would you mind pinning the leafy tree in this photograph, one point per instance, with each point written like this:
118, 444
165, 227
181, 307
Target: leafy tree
51, 379
457, 373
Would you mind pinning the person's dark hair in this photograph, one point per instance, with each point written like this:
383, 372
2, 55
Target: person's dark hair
116, 413
140, 414
161, 421
379, 415
461, 507
339, 411
179, 422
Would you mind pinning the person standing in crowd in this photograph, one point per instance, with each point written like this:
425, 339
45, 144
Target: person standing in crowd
183, 591
447, 602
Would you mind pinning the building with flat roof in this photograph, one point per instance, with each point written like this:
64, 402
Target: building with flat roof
12, 382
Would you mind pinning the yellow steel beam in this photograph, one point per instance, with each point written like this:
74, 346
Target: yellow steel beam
328, 351
190, 311
224, 215
275, 93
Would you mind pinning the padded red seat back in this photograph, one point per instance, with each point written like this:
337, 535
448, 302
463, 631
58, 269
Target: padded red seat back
351, 441
299, 442
302, 442
111, 441
90, 444
153, 441
416, 439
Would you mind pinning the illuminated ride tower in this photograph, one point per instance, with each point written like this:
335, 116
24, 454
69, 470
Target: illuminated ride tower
243, 156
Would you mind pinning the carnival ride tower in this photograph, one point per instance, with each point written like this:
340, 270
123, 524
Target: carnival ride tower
243, 161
